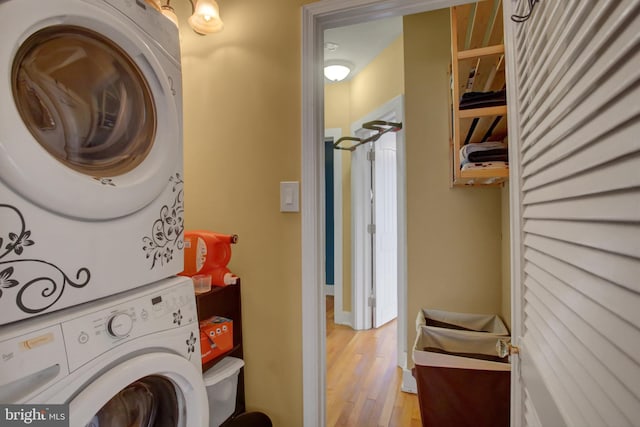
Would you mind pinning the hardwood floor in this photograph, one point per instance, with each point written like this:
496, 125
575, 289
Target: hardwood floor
363, 380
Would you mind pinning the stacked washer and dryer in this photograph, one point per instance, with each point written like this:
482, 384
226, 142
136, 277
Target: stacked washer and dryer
91, 216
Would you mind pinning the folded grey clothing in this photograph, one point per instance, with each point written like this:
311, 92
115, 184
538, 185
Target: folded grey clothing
483, 99
497, 154
473, 147
484, 165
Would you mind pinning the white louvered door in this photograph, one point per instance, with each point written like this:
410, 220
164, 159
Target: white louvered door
574, 126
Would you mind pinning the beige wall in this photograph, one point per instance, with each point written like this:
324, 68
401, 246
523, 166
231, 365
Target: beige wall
454, 250
242, 137
379, 82
346, 102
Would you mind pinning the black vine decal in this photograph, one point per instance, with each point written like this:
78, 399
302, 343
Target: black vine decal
191, 344
48, 285
166, 233
105, 181
177, 318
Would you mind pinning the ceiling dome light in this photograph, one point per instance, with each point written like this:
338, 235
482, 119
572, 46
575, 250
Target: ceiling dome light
336, 73
206, 17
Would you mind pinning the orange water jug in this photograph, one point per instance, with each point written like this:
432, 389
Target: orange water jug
208, 252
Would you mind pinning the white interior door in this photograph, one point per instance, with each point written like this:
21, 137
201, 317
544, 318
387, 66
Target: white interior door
573, 70
361, 238
385, 237
375, 219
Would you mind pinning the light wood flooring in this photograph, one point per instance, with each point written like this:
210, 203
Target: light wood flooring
363, 380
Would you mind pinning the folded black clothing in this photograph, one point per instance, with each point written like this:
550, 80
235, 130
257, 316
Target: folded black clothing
495, 155
483, 99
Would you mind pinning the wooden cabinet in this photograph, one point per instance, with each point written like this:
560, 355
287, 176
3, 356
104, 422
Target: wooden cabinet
226, 302
477, 66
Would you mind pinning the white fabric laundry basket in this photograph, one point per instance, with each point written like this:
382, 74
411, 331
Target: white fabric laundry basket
221, 382
461, 379
485, 323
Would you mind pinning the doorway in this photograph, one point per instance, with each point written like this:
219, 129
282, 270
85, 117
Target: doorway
378, 170
316, 18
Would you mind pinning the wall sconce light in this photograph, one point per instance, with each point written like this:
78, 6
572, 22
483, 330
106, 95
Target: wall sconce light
205, 18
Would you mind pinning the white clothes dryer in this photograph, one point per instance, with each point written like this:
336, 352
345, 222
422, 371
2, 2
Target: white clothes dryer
91, 188
131, 359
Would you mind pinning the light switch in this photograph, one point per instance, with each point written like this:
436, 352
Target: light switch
289, 199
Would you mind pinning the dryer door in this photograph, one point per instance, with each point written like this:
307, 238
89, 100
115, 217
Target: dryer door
90, 127
153, 390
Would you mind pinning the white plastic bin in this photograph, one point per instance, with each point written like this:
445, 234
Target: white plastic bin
222, 386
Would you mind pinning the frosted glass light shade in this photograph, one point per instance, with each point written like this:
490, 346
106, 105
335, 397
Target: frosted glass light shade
206, 17
336, 73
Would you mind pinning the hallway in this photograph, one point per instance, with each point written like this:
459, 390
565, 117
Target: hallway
363, 381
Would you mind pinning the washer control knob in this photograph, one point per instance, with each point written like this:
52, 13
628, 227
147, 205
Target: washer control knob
119, 325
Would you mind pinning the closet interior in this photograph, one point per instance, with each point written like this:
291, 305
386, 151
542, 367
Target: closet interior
479, 154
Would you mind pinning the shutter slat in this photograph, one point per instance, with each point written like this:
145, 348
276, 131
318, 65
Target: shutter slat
550, 17
596, 380
614, 298
617, 269
615, 329
612, 362
562, 366
552, 381
530, 413
592, 208
621, 238
576, 90
620, 175
584, 104
586, 63
547, 66
597, 143
583, 386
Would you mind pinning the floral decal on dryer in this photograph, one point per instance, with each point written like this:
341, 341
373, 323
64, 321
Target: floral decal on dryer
191, 344
167, 231
105, 181
39, 283
177, 317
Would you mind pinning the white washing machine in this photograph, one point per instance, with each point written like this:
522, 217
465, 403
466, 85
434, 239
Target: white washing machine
132, 359
91, 189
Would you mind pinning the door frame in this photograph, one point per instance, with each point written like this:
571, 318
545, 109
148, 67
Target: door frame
339, 315
317, 17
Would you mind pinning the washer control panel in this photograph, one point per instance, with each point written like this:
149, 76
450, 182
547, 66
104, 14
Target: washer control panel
119, 325
92, 334
44, 349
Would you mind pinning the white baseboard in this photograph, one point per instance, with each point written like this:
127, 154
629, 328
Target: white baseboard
328, 289
409, 384
343, 318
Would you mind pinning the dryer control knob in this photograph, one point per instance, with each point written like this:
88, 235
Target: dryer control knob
119, 325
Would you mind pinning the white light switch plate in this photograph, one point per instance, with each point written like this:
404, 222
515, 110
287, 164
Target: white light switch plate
289, 196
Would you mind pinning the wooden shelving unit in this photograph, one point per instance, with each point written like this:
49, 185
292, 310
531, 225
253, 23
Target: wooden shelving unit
226, 302
477, 66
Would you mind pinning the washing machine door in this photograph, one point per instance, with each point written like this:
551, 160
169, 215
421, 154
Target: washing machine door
90, 126
152, 390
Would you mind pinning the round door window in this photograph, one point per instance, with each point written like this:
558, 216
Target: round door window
84, 100
148, 402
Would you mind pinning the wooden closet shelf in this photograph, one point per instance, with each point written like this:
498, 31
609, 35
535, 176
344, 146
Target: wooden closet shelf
481, 51
500, 110
477, 52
